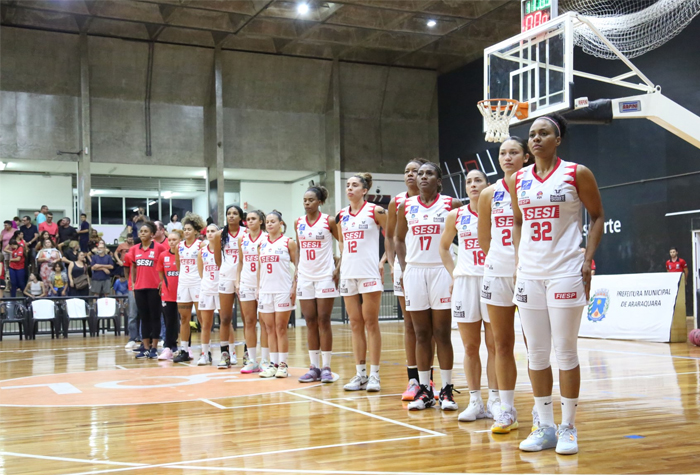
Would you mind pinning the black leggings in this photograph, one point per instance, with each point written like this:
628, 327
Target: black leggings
149, 306
172, 324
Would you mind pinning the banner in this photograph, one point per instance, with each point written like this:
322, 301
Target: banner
631, 307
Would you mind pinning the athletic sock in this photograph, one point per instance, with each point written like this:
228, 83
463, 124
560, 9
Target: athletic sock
283, 357
252, 354
507, 398
568, 410
205, 348
224, 346
424, 378
185, 346
274, 358
314, 357
265, 354
374, 370
446, 377
326, 358
412, 372
545, 409
474, 396
493, 394
361, 370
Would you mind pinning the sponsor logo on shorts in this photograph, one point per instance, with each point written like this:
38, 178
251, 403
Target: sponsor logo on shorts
521, 298
328, 291
286, 304
486, 295
565, 296
397, 288
300, 293
370, 284
458, 314
446, 300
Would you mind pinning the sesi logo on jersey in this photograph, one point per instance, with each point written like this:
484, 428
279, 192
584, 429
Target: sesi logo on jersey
310, 245
172, 273
471, 244
504, 221
426, 229
353, 235
144, 263
541, 212
271, 258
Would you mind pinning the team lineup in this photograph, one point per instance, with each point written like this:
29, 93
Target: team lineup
518, 244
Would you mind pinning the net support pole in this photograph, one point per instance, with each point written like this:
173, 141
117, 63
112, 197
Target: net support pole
662, 111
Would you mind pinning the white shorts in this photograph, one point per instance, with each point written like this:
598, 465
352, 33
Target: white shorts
247, 293
209, 302
349, 287
309, 290
467, 306
564, 292
227, 286
427, 287
187, 294
271, 303
398, 290
497, 291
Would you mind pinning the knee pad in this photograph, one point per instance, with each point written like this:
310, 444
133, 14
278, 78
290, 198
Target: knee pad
538, 359
567, 358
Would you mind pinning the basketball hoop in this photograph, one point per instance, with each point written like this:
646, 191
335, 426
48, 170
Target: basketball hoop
497, 115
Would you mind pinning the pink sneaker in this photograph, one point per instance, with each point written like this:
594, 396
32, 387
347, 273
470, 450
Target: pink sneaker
253, 367
410, 393
166, 354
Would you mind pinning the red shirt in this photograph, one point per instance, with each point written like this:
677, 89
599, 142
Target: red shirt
166, 265
19, 252
676, 266
51, 228
592, 264
146, 259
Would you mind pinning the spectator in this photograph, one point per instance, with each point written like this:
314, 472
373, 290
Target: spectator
160, 237
102, 266
173, 224
66, 233
47, 256
133, 314
676, 264
6, 234
16, 222
42, 216
122, 249
35, 288
121, 286
43, 236
31, 232
19, 237
70, 253
3, 282
58, 281
84, 233
137, 221
49, 226
18, 277
78, 275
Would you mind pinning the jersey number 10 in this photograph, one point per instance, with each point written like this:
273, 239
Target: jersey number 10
311, 254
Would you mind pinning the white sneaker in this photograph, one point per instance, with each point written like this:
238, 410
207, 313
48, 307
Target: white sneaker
543, 438
224, 361
130, 345
493, 408
282, 371
269, 372
373, 385
474, 411
264, 363
166, 355
234, 359
203, 360
567, 440
356, 383
160, 343
535, 418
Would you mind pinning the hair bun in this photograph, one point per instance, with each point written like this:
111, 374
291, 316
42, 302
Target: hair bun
367, 177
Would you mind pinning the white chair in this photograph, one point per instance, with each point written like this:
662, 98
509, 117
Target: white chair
107, 309
44, 311
77, 309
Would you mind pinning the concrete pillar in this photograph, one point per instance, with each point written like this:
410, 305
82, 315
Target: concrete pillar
214, 143
84, 178
334, 144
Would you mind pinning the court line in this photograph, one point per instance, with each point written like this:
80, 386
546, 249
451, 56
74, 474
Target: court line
270, 452
368, 414
283, 470
642, 354
67, 459
120, 367
214, 404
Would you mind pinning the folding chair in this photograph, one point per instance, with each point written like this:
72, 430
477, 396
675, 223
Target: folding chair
108, 309
78, 309
44, 311
14, 312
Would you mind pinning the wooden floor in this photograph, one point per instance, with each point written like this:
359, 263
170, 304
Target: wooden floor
86, 406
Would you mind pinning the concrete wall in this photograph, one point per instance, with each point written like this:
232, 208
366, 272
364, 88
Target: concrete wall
274, 107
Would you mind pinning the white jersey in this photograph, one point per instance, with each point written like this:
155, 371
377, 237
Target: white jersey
275, 272
316, 261
210, 272
189, 274
470, 257
398, 199
229, 259
250, 249
500, 261
425, 226
360, 258
551, 233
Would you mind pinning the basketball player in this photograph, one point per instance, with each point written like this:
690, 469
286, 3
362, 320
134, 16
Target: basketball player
167, 269
496, 241
553, 277
467, 309
409, 337
248, 261
317, 288
360, 274
143, 258
426, 282
189, 281
225, 247
277, 292
208, 292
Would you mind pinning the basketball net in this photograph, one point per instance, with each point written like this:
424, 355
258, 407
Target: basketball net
497, 115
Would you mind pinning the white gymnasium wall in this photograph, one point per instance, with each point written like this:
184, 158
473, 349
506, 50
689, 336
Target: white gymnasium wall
200, 205
27, 191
